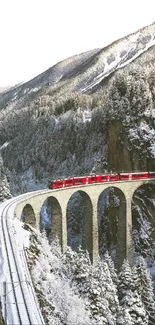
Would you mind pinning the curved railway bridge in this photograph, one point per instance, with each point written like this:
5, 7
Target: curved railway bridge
31, 206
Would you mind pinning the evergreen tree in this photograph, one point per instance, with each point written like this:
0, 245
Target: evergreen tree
78, 266
107, 258
124, 317
129, 298
4, 186
94, 284
144, 287
125, 279
106, 281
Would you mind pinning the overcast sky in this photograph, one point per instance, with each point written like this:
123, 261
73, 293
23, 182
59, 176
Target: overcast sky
36, 34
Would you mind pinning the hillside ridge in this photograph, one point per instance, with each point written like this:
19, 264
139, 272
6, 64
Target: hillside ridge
84, 71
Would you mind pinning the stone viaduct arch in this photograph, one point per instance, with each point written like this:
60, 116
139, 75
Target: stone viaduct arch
28, 215
87, 228
121, 226
91, 193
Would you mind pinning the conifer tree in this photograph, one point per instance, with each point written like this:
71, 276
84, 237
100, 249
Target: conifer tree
94, 284
144, 287
124, 317
78, 266
129, 298
103, 294
125, 279
4, 186
107, 258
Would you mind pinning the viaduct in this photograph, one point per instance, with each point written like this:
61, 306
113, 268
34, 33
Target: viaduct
31, 208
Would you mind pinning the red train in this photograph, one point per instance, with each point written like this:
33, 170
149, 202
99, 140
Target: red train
112, 177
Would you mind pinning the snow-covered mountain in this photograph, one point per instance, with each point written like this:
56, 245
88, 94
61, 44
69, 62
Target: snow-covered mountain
113, 83
84, 71
121, 53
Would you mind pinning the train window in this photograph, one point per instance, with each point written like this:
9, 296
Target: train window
68, 182
113, 177
124, 176
57, 184
80, 180
77, 180
135, 176
60, 182
140, 175
151, 174
102, 178
91, 179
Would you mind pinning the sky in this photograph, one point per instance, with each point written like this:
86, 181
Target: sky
36, 34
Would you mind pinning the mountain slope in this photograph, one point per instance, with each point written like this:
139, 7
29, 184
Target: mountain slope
84, 71
43, 133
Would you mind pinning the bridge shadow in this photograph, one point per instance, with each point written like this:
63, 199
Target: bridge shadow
51, 219
28, 215
111, 222
79, 221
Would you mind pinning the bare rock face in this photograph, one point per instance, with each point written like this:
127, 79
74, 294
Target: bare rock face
118, 153
121, 155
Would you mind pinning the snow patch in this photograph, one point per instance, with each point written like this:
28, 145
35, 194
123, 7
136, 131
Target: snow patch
4, 145
123, 52
21, 235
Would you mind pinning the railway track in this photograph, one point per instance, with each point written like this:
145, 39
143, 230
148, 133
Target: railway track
21, 305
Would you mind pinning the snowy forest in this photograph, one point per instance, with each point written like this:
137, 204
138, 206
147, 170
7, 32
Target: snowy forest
72, 291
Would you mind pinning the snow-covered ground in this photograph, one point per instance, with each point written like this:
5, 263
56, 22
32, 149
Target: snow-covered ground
121, 53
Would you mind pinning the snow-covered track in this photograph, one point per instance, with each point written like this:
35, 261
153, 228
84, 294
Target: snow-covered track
21, 304
16, 282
